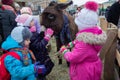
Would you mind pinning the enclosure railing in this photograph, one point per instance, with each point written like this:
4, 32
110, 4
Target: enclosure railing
108, 52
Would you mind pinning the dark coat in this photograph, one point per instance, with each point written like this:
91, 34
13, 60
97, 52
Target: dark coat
114, 13
38, 46
8, 22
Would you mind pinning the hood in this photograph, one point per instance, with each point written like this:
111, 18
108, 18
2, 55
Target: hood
10, 43
92, 36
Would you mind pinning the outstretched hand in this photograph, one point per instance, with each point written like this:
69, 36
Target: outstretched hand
71, 44
48, 33
63, 49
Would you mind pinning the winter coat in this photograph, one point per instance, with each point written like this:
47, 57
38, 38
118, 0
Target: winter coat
37, 25
38, 46
114, 13
17, 69
8, 22
85, 63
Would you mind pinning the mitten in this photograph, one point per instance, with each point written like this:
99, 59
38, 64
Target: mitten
48, 33
39, 69
63, 50
71, 44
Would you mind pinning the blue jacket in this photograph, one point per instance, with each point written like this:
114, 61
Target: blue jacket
17, 69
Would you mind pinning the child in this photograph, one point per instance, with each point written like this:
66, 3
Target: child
27, 10
85, 63
22, 69
38, 44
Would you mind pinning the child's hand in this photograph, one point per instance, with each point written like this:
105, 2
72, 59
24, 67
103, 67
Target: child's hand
71, 44
48, 33
63, 50
39, 69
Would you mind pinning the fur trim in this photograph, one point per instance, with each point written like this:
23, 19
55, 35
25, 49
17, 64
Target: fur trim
92, 38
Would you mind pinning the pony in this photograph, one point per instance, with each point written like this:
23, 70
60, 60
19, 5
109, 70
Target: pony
54, 16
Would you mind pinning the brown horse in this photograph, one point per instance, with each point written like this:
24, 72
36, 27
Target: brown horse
61, 22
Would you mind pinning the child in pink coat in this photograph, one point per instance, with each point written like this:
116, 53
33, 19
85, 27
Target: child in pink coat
85, 63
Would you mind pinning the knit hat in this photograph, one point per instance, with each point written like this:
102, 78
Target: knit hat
88, 16
19, 34
26, 10
25, 19
7, 2
16, 5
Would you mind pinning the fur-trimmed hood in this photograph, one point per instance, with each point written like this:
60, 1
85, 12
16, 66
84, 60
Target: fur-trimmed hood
91, 37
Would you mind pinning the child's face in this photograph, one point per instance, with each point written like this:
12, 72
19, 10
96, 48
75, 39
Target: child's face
32, 23
27, 42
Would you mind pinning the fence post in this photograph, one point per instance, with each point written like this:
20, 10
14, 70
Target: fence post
107, 54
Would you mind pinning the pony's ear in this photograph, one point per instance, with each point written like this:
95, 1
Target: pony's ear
62, 6
52, 3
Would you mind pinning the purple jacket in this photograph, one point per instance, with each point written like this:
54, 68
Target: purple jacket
37, 24
85, 63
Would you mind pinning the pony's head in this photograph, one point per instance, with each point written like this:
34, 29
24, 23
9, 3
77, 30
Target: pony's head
52, 16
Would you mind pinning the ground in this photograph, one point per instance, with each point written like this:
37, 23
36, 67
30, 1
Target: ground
59, 72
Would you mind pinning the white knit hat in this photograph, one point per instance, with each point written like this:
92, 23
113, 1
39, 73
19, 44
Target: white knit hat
88, 16
19, 34
16, 5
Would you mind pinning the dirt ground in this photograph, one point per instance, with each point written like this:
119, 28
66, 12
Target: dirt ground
59, 72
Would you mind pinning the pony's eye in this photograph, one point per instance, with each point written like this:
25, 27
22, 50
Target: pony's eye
51, 16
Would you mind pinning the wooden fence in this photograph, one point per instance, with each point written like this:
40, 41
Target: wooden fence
108, 53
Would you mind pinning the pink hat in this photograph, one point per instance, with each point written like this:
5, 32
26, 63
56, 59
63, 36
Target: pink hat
7, 2
24, 19
26, 10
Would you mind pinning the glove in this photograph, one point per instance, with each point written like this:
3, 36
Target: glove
71, 44
48, 33
39, 69
63, 50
